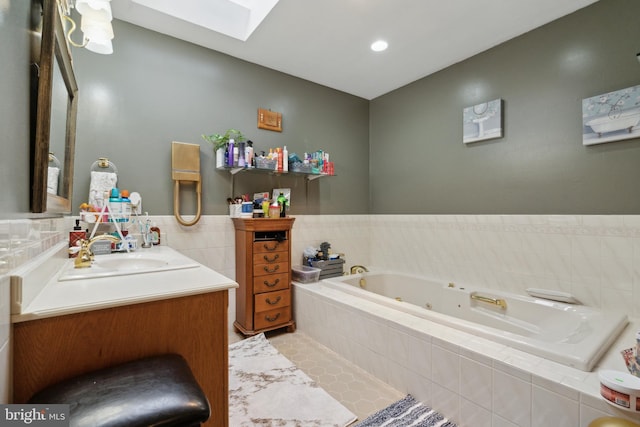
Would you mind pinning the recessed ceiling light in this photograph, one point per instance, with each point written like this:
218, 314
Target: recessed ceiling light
379, 45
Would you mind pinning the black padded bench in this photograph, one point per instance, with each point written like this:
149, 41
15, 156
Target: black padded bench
154, 391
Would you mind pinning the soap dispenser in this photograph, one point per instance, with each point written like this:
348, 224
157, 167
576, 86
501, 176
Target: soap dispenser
74, 236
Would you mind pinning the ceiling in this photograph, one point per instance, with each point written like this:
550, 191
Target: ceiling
327, 42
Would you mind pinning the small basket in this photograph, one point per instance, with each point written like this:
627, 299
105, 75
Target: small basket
301, 167
328, 268
264, 163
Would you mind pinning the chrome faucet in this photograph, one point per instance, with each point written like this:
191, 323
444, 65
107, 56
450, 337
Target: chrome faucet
85, 255
358, 269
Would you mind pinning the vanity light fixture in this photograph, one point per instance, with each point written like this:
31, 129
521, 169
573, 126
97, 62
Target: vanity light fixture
95, 23
379, 45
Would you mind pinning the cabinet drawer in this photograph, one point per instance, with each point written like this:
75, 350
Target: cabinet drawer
267, 246
272, 300
274, 282
274, 268
270, 257
268, 319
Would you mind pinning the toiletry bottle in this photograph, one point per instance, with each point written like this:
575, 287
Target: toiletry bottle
226, 154
282, 203
126, 205
249, 154
279, 157
285, 159
231, 148
241, 154
236, 152
155, 234
115, 204
74, 236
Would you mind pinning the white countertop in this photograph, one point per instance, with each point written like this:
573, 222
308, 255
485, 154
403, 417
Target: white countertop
59, 298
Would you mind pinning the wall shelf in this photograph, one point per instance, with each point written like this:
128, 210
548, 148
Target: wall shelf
309, 176
235, 170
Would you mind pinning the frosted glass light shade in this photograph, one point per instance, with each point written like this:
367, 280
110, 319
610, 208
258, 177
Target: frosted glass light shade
96, 30
95, 9
104, 47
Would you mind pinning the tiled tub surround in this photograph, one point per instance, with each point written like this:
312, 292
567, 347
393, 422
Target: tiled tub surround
474, 381
597, 258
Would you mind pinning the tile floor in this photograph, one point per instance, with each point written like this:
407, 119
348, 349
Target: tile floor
356, 389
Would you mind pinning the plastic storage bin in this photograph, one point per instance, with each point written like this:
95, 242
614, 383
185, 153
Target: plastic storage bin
305, 274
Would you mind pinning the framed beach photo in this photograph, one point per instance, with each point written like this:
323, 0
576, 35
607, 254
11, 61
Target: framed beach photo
482, 121
612, 116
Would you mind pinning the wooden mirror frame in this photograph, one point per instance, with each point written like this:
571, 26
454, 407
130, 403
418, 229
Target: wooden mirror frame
54, 48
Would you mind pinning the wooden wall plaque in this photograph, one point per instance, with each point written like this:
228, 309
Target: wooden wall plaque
269, 120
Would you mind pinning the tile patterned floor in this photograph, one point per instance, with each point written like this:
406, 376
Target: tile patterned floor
356, 389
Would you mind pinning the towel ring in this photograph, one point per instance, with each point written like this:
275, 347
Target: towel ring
176, 203
53, 161
103, 163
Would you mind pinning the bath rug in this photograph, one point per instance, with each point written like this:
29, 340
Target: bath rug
266, 389
407, 412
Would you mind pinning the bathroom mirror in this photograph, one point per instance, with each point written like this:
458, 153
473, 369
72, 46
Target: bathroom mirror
54, 130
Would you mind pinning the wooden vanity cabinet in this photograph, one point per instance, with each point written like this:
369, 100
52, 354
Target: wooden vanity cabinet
263, 273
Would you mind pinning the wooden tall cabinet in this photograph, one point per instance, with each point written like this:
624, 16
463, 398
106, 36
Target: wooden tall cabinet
263, 273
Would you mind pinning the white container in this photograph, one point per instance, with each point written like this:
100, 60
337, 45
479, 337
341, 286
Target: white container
305, 274
235, 210
620, 389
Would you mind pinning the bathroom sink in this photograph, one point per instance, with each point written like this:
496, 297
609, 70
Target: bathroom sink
123, 264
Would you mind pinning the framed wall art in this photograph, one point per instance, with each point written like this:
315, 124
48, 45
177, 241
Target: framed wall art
612, 116
482, 121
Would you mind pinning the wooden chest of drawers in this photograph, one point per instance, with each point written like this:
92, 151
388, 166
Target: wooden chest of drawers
263, 271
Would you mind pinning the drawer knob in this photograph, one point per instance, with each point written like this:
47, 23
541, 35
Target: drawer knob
272, 270
275, 246
268, 301
275, 257
271, 285
272, 319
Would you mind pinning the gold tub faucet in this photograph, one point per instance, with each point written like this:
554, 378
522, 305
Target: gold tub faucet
358, 269
85, 256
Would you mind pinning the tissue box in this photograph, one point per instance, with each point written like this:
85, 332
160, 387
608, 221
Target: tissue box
101, 247
304, 274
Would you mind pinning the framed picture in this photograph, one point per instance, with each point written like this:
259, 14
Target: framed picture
285, 191
611, 116
482, 121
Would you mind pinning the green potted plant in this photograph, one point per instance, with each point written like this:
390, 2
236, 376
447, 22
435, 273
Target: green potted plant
219, 143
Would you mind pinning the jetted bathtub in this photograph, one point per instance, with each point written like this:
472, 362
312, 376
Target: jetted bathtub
574, 335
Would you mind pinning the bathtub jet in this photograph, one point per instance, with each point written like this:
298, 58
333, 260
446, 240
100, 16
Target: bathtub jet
573, 335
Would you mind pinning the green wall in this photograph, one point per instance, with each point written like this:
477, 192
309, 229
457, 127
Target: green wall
14, 108
418, 163
156, 89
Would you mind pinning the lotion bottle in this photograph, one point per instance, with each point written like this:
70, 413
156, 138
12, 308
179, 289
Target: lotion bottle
285, 159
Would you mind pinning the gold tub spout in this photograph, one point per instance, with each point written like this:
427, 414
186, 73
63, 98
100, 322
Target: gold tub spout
85, 256
358, 269
495, 301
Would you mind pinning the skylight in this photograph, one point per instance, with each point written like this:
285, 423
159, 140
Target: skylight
234, 18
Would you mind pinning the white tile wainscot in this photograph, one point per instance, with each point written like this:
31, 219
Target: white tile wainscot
471, 380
